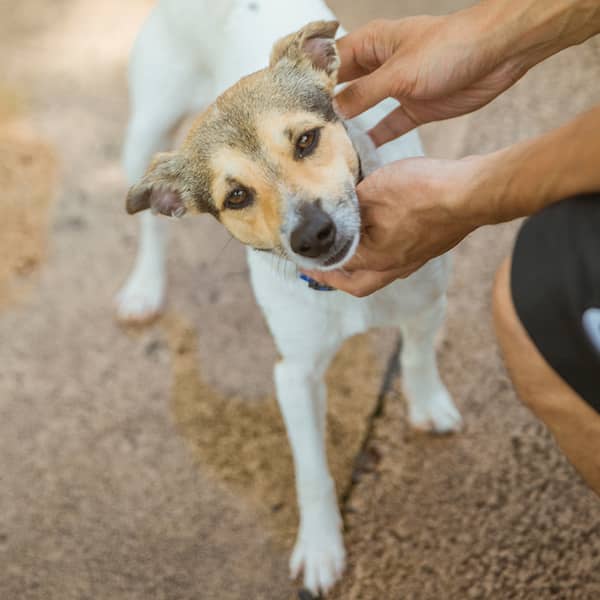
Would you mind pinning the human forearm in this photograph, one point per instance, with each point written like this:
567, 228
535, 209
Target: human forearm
439, 68
443, 67
529, 31
524, 178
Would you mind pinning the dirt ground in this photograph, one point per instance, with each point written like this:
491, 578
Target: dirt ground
138, 465
27, 173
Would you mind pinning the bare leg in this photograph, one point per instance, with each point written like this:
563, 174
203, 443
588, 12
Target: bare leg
574, 424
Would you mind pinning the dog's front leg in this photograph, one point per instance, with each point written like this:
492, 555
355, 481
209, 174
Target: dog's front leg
430, 407
319, 549
164, 84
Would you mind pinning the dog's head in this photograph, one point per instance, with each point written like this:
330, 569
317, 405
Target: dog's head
270, 159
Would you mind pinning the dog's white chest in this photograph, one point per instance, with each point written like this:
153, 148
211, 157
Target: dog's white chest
187, 53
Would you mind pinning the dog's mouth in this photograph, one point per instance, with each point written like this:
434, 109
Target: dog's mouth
339, 256
322, 239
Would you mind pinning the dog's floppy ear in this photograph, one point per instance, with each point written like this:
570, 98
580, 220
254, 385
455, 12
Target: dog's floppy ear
163, 188
313, 45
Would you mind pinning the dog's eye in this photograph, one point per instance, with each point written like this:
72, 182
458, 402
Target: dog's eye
239, 198
307, 143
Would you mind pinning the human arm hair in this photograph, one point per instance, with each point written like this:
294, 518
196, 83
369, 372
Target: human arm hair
443, 67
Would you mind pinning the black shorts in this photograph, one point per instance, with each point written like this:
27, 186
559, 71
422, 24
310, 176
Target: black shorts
555, 283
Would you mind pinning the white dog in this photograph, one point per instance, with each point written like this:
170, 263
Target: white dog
276, 166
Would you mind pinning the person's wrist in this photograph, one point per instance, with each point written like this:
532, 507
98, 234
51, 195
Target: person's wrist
491, 27
472, 188
507, 185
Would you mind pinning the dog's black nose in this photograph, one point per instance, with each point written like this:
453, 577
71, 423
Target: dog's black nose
315, 234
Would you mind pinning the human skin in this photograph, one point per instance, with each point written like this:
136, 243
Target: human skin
445, 200
442, 67
574, 423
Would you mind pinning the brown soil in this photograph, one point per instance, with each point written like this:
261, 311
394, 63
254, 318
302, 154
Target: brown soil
243, 444
155, 466
27, 180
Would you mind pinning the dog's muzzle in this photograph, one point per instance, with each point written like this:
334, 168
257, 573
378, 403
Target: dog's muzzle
314, 236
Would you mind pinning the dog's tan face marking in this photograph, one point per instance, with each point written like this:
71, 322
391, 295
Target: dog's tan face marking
326, 171
276, 174
257, 224
267, 149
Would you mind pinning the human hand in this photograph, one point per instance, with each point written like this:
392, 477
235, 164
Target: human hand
412, 210
437, 67
418, 208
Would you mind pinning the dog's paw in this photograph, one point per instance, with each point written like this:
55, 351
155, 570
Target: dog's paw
141, 300
437, 414
321, 556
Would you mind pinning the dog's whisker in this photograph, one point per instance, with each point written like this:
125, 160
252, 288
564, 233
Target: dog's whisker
282, 265
279, 261
217, 258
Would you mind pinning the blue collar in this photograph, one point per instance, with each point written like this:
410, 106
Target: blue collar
315, 285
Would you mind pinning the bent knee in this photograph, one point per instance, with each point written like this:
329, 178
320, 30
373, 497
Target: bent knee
526, 367
506, 321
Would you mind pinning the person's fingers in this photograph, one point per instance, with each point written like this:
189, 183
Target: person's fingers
363, 93
395, 124
335, 279
352, 62
359, 283
366, 258
363, 50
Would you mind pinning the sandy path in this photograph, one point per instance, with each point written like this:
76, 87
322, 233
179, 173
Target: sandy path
118, 481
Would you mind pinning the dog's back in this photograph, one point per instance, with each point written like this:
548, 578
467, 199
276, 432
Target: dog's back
229, 38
